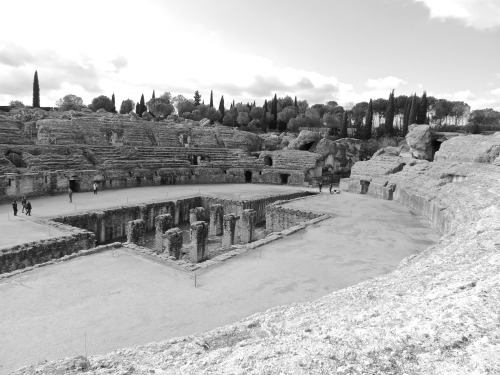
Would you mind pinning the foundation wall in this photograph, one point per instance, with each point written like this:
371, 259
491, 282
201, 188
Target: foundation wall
31, 253
279, 218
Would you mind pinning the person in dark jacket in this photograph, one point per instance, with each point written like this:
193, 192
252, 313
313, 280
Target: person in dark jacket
28, 208
14, 207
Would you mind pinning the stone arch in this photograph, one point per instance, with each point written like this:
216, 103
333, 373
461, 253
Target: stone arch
268, 160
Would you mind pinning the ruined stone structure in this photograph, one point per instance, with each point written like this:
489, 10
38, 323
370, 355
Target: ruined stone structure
216, 216
162, 224
196, 214
199, 235
229, 230
136, 229
248, 221
43, 155
172, 242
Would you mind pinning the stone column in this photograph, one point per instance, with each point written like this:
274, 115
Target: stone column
228, 231
172, 241
216, 216
162, 224
135, 231
177, 213
199, 236
248, 221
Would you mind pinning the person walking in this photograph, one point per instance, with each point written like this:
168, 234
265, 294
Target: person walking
320, 185
331, 187
95, 188
23, 202
70, 193
14, 207
28, 208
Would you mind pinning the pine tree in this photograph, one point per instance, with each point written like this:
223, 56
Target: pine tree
413, 110
406, 116
389, 115
221, 107
36, 91
369, 121
197, 98
345, 123
142, 106
422, 111
113, 101
211, 99
295, 102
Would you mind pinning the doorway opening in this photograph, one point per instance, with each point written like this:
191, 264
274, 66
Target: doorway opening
284, 178
248, 176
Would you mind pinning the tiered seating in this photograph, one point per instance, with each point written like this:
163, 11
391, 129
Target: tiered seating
11, 133
58, 162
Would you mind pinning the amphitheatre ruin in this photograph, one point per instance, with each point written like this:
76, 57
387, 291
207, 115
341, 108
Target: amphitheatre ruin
211, 250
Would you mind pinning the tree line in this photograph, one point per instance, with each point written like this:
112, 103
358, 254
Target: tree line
364, 120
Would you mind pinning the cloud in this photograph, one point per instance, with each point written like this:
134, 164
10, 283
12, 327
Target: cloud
495, 91
14, 55
386, 83
478, 14
119, 63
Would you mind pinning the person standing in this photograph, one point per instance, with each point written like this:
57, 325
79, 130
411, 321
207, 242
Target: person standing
14, 207
28, 208
23, 202
70, 193
320, 185
95, 187
331, 187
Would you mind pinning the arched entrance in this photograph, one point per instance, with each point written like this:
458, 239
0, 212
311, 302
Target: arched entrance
268, 161
74, 183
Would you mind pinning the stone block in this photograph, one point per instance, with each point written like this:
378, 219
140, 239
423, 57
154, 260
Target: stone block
172, 242
196, 214
229, 224
136, 229
248, 222
216, 217
162, 224
199, 236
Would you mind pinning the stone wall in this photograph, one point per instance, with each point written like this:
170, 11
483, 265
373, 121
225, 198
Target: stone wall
31, 253
279, 218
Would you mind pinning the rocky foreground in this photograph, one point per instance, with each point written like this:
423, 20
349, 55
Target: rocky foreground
438, 313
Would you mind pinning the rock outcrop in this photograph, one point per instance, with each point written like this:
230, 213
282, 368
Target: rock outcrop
419, 139
304, 141
340, 154
472, 148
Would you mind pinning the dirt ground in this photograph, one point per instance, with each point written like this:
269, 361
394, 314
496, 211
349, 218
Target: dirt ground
115, 299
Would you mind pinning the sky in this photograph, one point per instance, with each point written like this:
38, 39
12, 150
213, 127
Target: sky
318, 50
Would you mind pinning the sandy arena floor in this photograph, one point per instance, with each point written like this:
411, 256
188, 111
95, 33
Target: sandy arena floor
116, 299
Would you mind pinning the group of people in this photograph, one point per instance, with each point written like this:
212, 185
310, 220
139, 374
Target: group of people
26, 206
332, 190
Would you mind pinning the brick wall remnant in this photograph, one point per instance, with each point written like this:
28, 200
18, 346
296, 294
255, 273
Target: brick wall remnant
162, 224
196, 214
172, 242
248, 221
136, 229
199, 236
216, 216
229, 222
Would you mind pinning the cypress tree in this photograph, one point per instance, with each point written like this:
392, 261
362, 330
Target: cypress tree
413, 110
254, 103
265, 106
263, 122
137, 108
142, 106
274, 112
221, 106
36, 91
369, 121
233, 102
211, 99
345, 122
406, 117
422, 111
197, 98
113, 101
295, 102
153, 97
389, 115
